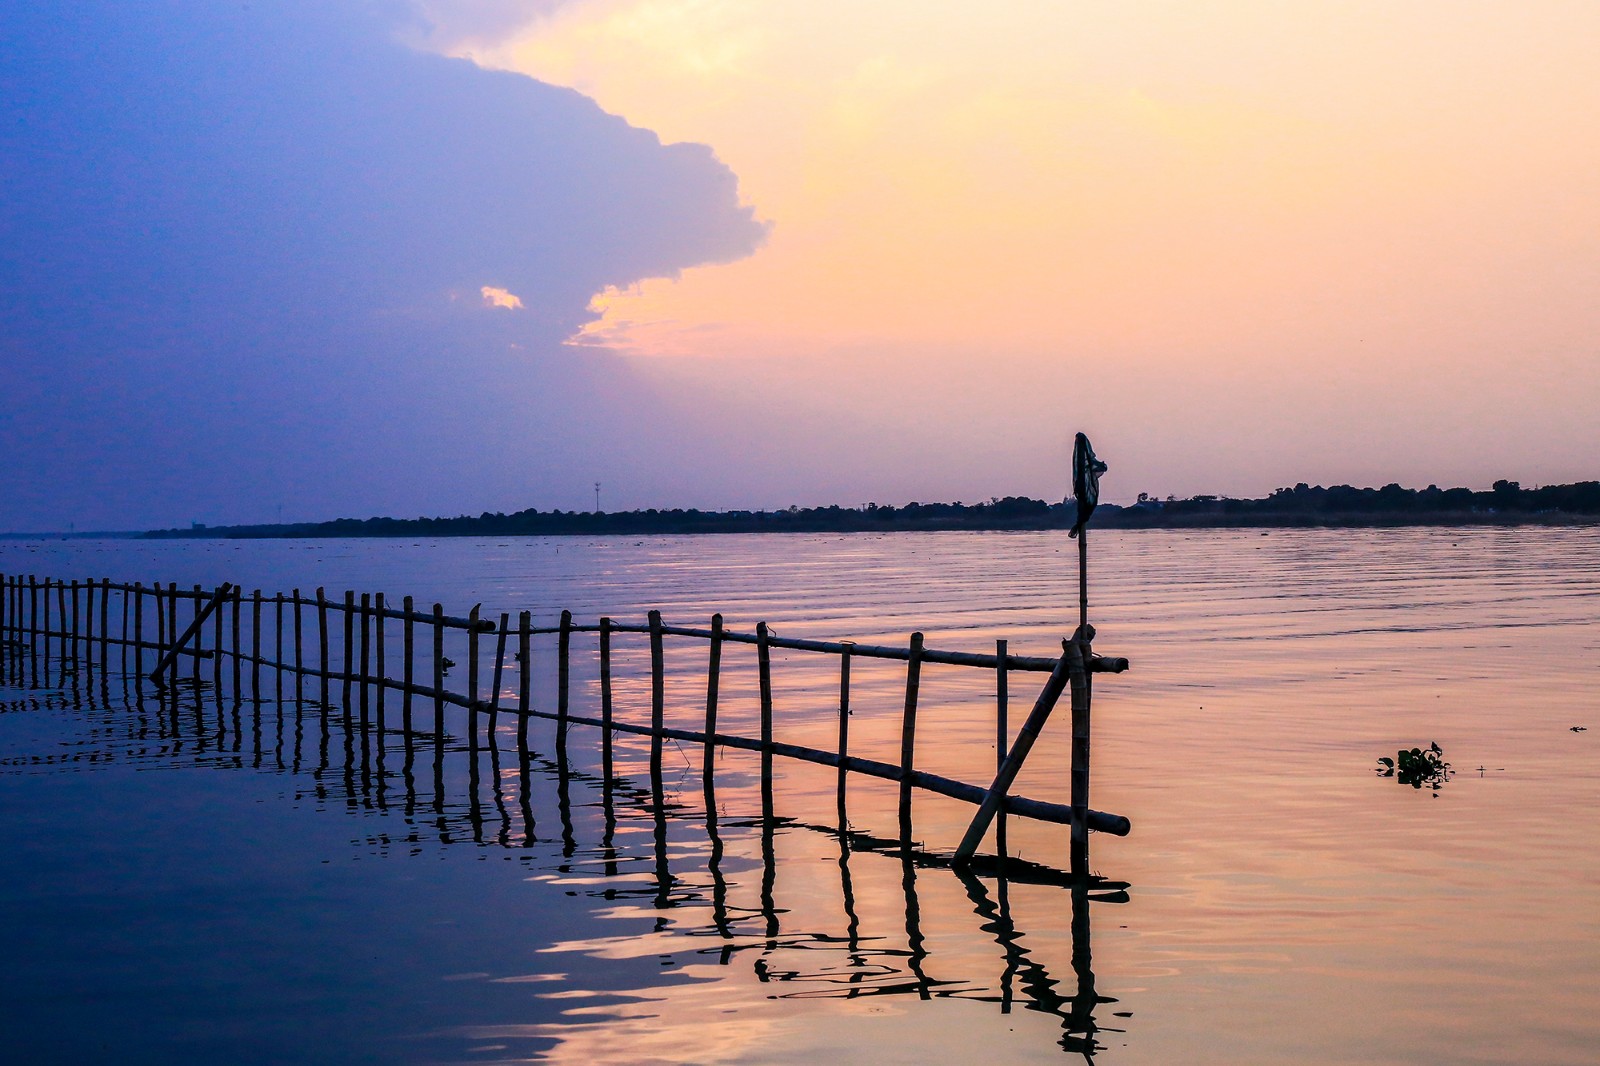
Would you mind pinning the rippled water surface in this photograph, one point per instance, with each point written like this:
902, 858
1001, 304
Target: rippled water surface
260, 881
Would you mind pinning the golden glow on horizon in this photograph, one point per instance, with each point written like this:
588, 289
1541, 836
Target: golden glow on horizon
1141, 177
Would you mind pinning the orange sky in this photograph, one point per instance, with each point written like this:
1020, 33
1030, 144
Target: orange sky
1248, 230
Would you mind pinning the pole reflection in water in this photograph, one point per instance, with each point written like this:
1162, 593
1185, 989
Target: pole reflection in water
699, 862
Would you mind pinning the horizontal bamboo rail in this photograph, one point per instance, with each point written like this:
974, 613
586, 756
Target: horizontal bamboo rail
25, 622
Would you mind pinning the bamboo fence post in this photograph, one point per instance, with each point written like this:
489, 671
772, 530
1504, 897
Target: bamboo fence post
322, 644
713, 685
216, 658
6, 639
69, 625
381, 622
438, 678
61, 605
908, 720
1002, 735
563, 674
499, 671
605, 701
105, 625
658, 690
764, 679
366, 656
472, 669
299, 659
408, 644
88, 622
844, 725
138, 634
127, 609
33, 627
1078, 667
199, 642
255, 645
525, 681
348, 656
277, 652
172, 633
239, 645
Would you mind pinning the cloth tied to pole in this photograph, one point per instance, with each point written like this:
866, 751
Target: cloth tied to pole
1086, 471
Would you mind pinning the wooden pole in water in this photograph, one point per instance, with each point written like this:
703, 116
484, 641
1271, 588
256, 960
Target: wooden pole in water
366, 656
255, 645
658, 692
33, 625
61, 605
347, 657
88, 623
605, 700
1002, 735
525, 680
563, 652
172, 633
908, 718
1078, 667
216, 654
105, 625
472, 670
713, 684
380, 622
199, 640
299, 659
438, 678
408, 659
277, 657
499, 671
844, 723
764, 680
69, 626
138, 633
237, 602
322, 644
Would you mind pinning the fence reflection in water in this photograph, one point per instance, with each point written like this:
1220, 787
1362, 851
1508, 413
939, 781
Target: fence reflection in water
499, 788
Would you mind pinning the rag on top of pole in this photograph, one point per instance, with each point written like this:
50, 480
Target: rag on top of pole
1086, 471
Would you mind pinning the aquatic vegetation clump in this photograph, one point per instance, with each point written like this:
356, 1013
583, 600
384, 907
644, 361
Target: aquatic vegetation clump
1418, 767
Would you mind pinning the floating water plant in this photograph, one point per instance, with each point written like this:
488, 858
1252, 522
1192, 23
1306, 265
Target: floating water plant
1417, 767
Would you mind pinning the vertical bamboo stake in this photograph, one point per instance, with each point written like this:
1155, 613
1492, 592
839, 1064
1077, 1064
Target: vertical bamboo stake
348, 657
172, 637
764, 679
499, 672
322, 644
88, 623
379, 607
105, 625
438, 678
33, 627
366, 655
255, 645
127, 609
525, 680
236, 601
216, 651
844, 725
61, 605
299, 659
138, 635
908, 720
605, 702
1002, 735
564, 648
199, 643
1078, 667
472, 669
658, 691
713, 684
69, 625
408, 641
277, 652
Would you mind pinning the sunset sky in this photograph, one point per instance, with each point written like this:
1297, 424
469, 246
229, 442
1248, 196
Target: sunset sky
308, 256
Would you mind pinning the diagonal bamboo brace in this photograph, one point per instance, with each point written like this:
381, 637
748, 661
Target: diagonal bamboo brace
188, 634
1007, 774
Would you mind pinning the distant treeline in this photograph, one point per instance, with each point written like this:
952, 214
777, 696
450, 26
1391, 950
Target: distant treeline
1304, 504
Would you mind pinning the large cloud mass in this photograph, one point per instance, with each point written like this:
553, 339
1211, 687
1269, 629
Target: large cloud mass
264, 255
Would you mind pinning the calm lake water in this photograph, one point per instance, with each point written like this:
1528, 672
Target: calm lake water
255, 883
